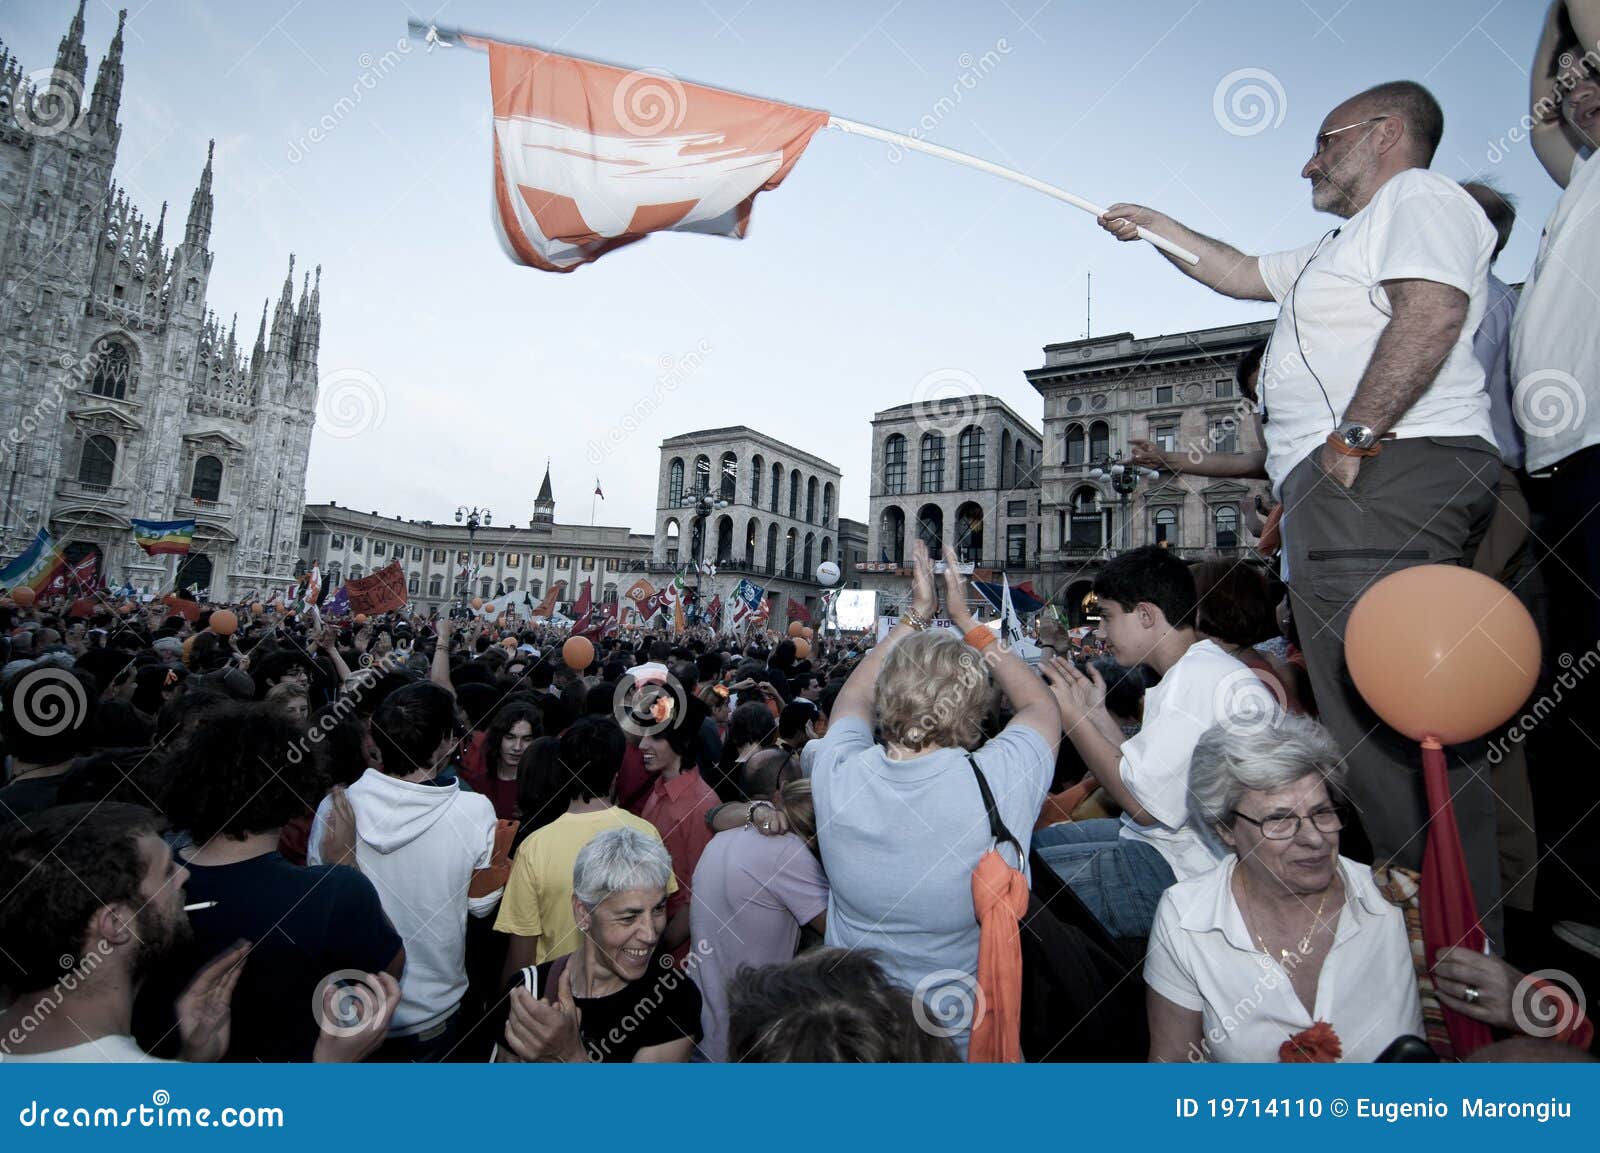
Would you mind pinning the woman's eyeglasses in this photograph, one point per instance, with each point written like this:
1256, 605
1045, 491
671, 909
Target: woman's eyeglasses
1284, 828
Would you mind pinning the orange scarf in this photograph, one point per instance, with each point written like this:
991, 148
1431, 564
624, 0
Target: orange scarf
1000, 900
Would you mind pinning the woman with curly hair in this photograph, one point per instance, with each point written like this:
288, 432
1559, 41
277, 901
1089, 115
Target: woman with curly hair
512, 729
232, 784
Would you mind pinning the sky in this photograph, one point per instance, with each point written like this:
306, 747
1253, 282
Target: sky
451, 375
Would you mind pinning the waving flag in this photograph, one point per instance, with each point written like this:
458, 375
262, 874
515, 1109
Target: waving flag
714, 612
545, 607
747, 597
677, 586
589, 157
382, 592
35, 567
163, 536
583, 610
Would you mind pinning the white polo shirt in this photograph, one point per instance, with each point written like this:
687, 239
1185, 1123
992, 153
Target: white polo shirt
1418, 226
1555, 342
1205, 687
1202, 958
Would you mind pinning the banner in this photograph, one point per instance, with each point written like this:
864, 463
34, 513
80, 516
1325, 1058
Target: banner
382, 592
35, 567
157, 537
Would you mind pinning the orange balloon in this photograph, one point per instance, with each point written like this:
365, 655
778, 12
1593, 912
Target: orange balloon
578, 653
24, 596
802, 650
796, 629
256, 609
808, 634
361, 618
1442, 652
224, 622
477, 602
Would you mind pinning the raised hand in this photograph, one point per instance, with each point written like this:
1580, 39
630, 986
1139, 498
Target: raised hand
539, 1031
924, 591
955, 592
205, 1008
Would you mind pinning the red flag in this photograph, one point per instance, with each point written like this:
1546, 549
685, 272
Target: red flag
382, 592
798, 611
583, 611
589, 157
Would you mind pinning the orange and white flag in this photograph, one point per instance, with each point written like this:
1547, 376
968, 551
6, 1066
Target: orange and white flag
589, 157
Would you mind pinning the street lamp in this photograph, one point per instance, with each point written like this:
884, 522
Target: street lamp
474, 519
1124, 478
704, 504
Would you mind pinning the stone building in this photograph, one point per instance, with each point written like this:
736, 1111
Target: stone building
1177, 390
124, 393
963, 470
503, 558
750, 505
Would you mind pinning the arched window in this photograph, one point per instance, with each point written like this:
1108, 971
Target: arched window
1005, 459
672, 542
1020, 472
1099, 440
827, 548
930, 528
794, 494
971, 449
752, 532
756, 465
112, 371
536, 588
1075, 445
724, 540
1226, 518
969, 533
675, 483
892, 535
827, 504
811, 547
99, 463
933, 462
729, 483
1088, 523
702, 474
777, 483
207, 479
811, 502
772, 549
1166, 527
894, 465
511, 584
790, 541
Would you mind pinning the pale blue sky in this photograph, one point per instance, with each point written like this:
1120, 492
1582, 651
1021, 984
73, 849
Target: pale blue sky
860, 275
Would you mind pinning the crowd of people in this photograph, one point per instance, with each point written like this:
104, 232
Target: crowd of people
239, 835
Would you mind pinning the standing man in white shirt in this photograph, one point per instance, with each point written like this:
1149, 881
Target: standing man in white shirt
1555, 368
1377, 424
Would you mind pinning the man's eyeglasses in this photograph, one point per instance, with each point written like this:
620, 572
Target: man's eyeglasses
1284, 828
1324, 137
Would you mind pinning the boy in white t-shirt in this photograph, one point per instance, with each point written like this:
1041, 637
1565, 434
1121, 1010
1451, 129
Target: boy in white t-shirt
1120, 868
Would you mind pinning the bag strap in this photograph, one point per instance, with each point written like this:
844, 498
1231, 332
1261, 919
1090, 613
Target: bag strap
997, 827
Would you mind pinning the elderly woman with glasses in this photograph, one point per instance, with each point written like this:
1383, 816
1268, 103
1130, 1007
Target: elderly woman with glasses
1284, 938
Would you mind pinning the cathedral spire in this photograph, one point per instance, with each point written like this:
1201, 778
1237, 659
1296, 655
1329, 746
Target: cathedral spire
283, 315
259, 353
108, 84
70, 56
197, 232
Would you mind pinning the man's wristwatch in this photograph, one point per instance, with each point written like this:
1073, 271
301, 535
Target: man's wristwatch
750, 818
1353, 439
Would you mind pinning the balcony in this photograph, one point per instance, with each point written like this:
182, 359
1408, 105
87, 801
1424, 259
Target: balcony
99, 494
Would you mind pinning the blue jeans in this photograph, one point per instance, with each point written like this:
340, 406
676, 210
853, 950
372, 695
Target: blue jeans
1120, 880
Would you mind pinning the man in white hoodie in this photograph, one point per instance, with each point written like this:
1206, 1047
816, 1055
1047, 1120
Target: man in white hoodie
428, 847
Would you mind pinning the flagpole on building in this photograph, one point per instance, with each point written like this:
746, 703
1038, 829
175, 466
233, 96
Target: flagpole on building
435, 34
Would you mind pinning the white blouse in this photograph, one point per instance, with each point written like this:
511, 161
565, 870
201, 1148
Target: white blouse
1202, 958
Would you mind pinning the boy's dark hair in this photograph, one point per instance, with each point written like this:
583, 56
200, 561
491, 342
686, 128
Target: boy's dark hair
248, 769
410, 725
57, 871
1153, 575
47, 713
1125, 688
828, 1005
541, 675
592, 749
274, 666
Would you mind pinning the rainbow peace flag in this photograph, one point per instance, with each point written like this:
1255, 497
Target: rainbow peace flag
36, 567
163, 536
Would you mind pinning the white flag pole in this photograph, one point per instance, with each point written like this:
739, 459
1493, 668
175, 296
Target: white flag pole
434, 34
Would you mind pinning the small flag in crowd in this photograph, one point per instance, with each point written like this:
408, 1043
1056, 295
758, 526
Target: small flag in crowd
1010, 623
82, 577
747, 598
714, 612
589, 157
35, 567
163, 536
338, 605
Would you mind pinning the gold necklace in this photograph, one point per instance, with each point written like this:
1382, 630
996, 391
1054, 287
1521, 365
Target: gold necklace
1305, 940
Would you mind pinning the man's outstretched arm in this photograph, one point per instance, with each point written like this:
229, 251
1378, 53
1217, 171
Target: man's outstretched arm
1222, 267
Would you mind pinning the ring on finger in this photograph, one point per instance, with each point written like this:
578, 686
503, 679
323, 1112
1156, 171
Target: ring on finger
1471, 994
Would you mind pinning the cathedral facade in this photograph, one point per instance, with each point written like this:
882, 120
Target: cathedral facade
122, 393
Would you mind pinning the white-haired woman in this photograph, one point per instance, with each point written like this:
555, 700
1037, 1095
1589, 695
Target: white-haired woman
901, 821
618, 998
1284, 934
